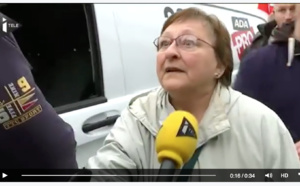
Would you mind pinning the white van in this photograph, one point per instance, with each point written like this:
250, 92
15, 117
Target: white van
91, 59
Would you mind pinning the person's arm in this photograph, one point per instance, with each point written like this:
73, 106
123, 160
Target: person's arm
278, 146
32, 135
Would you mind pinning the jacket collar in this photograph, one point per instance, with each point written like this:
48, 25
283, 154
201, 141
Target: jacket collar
283, 35
215, 120
266, 29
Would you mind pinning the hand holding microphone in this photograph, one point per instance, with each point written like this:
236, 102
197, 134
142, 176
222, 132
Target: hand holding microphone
176, 142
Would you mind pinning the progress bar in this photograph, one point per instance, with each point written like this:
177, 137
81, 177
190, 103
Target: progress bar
105, 175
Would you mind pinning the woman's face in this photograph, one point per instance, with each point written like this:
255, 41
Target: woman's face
192, 62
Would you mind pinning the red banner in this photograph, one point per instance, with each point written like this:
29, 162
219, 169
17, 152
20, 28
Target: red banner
268, 8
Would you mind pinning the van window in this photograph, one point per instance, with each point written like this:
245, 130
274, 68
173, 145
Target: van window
55, 38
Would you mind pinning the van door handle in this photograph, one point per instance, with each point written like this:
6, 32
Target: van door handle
88, 127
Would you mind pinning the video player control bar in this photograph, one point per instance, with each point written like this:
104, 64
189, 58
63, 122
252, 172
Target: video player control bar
207, 175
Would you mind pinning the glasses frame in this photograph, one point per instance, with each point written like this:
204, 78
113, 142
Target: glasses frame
176, 40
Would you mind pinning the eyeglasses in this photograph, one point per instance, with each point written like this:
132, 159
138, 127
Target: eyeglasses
185, 42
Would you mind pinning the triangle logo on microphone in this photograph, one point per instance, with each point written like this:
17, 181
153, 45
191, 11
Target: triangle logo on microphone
186, 129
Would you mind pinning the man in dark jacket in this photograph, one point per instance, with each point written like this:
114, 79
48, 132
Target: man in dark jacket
32, 135
282, 14
297, 36
271, 75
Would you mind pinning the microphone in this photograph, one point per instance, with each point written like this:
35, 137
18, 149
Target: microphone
176, 142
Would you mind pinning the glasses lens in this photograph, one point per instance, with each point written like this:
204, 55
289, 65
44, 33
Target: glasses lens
187, 41
164, 42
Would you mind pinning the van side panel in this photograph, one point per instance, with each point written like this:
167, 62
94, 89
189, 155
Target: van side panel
112, 62
139, 24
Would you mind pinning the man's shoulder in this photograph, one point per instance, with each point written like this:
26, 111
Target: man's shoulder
261, 54
268, 48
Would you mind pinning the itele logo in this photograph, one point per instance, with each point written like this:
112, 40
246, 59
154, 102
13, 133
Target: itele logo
186, 129
7, 25
4, 25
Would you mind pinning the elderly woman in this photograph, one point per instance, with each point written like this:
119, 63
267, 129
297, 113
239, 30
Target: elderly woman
194, 66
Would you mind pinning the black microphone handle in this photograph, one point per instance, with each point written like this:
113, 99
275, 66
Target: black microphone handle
167, 168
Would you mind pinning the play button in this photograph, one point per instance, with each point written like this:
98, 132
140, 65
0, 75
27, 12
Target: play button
4, 175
